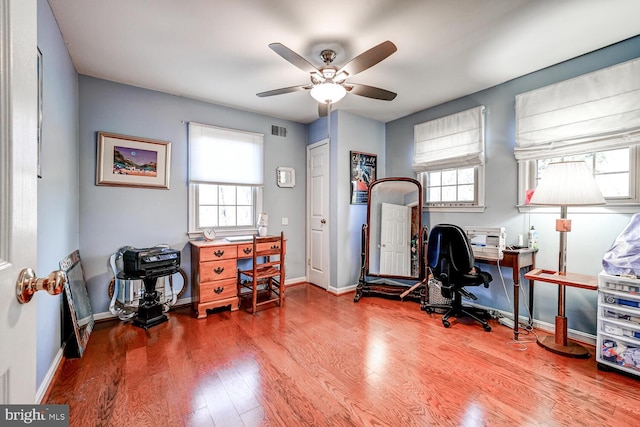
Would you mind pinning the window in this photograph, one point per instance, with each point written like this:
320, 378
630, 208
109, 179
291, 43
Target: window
450, 186
615, 172
449, 161
225, 179
593, 117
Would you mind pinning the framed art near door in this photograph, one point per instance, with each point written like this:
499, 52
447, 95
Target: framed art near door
363, 173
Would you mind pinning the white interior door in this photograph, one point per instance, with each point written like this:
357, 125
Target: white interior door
318, 213
18, 196
395, 243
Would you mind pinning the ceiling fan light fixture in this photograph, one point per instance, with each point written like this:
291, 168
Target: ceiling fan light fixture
328, 93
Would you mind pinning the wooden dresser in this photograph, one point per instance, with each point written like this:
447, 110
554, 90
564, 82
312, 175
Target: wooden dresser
214, 270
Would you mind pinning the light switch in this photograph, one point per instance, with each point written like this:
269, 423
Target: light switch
285, 221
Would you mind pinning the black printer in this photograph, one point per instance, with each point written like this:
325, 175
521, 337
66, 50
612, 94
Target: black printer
150, 262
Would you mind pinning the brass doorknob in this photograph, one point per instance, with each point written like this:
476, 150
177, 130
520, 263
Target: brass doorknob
28, 284
323, 221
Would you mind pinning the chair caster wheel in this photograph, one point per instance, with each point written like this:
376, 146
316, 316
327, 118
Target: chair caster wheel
428, 310
487, 328
446, 323
356, 298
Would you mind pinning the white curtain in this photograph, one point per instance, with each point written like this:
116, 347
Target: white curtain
595, 111
224, 156
456, 140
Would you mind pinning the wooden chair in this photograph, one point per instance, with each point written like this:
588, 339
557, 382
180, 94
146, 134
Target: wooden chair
264, 283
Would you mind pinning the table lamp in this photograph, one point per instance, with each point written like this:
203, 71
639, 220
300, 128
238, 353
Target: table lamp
263, 221
565, 184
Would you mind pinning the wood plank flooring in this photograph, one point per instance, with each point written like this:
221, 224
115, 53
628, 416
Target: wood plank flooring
323, 360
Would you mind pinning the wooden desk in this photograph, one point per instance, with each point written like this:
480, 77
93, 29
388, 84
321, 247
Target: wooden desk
214, 271
516, 259
559, 343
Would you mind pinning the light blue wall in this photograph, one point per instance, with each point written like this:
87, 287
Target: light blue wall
58, 205
349, 132
112, 217
592, 234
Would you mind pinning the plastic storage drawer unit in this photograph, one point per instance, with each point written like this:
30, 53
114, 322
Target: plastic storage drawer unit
618, 323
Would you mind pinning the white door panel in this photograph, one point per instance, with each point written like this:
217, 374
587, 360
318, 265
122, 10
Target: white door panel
318, 208
395, 247
18, 196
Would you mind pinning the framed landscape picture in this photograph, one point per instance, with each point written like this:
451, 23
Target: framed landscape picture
132, 162
363, 173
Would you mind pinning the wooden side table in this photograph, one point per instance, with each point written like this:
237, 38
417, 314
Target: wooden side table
559, 343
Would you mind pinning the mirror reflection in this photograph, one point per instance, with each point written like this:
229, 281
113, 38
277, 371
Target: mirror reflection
394, 224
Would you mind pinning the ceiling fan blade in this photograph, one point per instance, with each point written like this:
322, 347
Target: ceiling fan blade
293, 57
283, 90
369, 58
323, 109
371, 92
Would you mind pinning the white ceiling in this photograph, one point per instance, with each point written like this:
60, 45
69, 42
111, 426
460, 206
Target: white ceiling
217, 50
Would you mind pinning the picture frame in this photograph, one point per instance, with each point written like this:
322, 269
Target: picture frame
40, 69
363, 173
78, 312
286, 177
130, 161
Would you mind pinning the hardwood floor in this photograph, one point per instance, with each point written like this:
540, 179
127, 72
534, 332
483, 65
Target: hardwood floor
323, 360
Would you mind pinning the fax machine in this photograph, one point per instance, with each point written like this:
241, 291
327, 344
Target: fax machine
487, 242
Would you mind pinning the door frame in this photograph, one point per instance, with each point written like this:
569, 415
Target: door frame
308, 207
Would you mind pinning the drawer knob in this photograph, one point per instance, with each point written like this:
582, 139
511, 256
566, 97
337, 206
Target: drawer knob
218, 270
275, 247
218, 290
247, 250
219, 253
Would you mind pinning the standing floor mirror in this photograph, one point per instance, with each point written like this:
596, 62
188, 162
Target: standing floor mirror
393, 240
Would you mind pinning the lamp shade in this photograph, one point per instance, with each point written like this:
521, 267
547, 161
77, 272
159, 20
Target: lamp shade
263, 219
567, 184
328, 93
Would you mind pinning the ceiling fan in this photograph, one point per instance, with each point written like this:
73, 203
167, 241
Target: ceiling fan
328, 83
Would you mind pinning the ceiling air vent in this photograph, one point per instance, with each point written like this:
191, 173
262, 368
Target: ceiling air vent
279, 131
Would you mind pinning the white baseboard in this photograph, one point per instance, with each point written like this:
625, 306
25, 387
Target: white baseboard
544, 326
107, 315
342, 290
46, 382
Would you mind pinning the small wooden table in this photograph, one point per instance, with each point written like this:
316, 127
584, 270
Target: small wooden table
516, 259
558, 343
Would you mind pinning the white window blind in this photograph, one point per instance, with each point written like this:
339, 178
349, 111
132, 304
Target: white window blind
456, 140
224, 156
595, 111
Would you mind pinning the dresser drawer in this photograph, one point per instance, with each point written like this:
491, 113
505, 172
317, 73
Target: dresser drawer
218, 270
218, 290
245, 250
267, 246
213, 253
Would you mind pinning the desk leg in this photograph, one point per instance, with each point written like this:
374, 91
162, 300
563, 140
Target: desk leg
530, 301
516, 300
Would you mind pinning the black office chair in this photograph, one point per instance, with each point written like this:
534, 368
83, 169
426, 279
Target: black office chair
450, 261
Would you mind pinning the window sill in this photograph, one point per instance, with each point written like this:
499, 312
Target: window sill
461, 209
612, 208
221, 233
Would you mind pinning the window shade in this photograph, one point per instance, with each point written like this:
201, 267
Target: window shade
452, 141
599, 110
224, 156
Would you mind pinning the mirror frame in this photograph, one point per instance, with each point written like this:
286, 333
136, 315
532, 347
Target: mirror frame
285, 177
372, 186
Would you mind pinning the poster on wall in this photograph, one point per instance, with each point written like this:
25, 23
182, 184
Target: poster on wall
363, 173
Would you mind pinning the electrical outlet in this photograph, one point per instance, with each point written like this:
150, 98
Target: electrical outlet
285, 221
